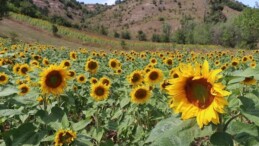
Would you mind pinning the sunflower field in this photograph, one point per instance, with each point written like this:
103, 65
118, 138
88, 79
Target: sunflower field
59, 96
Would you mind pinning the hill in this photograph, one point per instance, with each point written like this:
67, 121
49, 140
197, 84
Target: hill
149, 16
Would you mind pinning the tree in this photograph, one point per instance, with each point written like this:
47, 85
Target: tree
125, 35
103, 30
141, 36
156, 38
167, 29
3, 8
54, 30
116, 34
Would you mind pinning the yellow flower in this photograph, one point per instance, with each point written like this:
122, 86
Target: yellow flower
73, 55
195, 93
99, 91
71, 73
140, 94
105, 81
114, 63
53, 79
45, 62
24, 68
91, 66
154, 76
249, 81
135, 78
16, 68
81, 78
24, 89
3, 78
64, 137
93, 80
66, 63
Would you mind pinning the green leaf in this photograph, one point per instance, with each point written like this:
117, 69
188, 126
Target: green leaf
8, 91
80, 125
98, 134
173, 131
221, 139
9, 112
65, 122
117, 115
48, 138
124, 102
82, 140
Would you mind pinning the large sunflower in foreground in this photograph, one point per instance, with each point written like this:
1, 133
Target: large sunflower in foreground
64, 137
140, 95
135, 78
53, 79
195, 93
99, 91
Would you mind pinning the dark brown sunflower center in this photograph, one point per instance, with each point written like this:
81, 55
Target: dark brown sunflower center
99, 91
65, 138
94, 81
67, 64
113, 64
73, 55
234, 63
119, 71
198, 92
24, 89
92, 65
2, 78
135, 78
248, 79
46, 62
24, 70
175, 75
245, 59
153, 61
81, 78
169, 62
141, 93
17, 69
153, 75
71, 74
54, 79
106, 82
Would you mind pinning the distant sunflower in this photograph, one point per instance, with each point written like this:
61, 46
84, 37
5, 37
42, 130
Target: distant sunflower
154, 76
34, 63
45, 62
114, 63
64, 137
16, 68
153, 61
105, 81
24, 68
136, 77
168, 61
53, 79
253, 64
140, 94
163, 85
93, 80
235, 62
195, 93
118, 71
249, 81
73, 55
245, 59
3, 78
99, 91
66, 63
24, 89
71, 73
91, 66
81, 78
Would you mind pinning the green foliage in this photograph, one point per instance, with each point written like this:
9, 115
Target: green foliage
103, 30
156, 38
125, 35
3, 9
141, 36
116, 34
54, 30
167, 30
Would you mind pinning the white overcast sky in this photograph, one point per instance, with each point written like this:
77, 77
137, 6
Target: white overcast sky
251, 3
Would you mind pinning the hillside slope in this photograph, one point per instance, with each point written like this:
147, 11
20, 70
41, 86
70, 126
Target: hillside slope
150, 15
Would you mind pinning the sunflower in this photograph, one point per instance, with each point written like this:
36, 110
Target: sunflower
53, 79
34, 63
168, 61
3, 79
140, 94
71, 73
24, 68
249, 81
118, 71
64, 137
234, 62
163, 85
93, 80
154, 76
66, 63
114, 63
24, 89
253, 64
195, 93
81, 78
73, 55
135, 78
91, 66
105, 81
99, 91
245, 59
45, 62
153, 61
16, 68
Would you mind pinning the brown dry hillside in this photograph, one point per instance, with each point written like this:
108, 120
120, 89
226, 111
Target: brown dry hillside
150, 15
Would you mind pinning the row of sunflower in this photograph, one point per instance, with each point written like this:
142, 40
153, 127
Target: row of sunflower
57, 96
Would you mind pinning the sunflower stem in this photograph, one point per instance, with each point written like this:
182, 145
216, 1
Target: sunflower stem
229, 120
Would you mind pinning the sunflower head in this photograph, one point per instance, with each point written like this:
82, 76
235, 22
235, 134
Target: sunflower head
196, 90
93, 80
71, 73
73, 55
45, 62
91, 66
154, 76
3, 78
24, 89
105, 81
53, 79
65, 63
140, 94
135, 78
249, 81
16, 68
114, 63
81, 78
64, 137
153, 61
24, 69
99, 91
